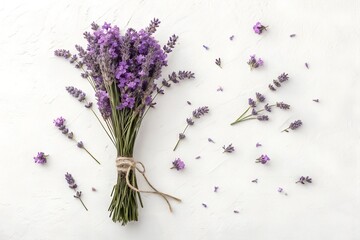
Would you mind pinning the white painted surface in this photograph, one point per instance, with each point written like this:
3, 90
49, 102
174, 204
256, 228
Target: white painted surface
35, 202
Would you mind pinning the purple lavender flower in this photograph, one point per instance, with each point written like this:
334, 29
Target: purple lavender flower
282, 105
59, 122
62, 53
40, 158
103, 103
252, 103
218, 62
259, 28
231, 37
280, 190
228, 149
190, 121
188, 102
307, 65
181, 136
283, 77
80, 144
277, 83
216, 189
272, 88
267, 107
210, 140
154, 24
260, 97
258, 145
89, 105
263, 159
255, 63
262, 118
304, 180
254, 112
293, 126
170, 44
71, 181
204, 205
201, 111
76, 93
178, 164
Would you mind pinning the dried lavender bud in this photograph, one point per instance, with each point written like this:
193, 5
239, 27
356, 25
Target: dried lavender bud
272, 88
220, 89
236, 211
283, 77
190, 121
89, 105
154, 24
188, 102
216, 189
59, 122
210, 140
280, 190
255, 180
260, 97
254, 112
295, 124
206, 47
165, 83
73, 58
198, 157
259, 28
218, 62
178, 164
80, 144
316, 100
292, 35
231, 37
307, 65
41, 158
282, 105
258, 145
267, 107
70, 135
93, 189
62, 127
181, 136
228, 149
78, 194
304, 180
276, 83
197, 113
263, 159
204, 205
262, 118
170, 44
251, 103
65, 131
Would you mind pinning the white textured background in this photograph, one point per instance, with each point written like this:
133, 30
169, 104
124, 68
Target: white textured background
35, 202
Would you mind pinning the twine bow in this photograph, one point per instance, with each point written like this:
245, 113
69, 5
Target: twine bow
126, 164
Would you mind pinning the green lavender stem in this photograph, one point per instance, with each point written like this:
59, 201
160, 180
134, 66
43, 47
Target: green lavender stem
83, 204
178, 141
91, 155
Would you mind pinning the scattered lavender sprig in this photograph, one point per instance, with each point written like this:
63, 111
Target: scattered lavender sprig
197, 113
71, 181
293, 126
206, 47
277, 82
178, 164
41, 158
170, 44
60, 124
255, 63
259, 28
218, 62
304, 180
263, 159
229, 149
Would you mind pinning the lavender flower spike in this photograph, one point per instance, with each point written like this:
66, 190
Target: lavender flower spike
201, 111
170, 44
293, 126
40, 158
71, 181
178, 164
282, 105
154, 24
228, 149
76, 93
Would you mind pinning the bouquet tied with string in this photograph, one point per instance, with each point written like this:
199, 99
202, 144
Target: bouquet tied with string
123, 69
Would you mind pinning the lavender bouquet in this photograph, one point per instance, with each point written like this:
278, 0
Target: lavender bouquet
123, 68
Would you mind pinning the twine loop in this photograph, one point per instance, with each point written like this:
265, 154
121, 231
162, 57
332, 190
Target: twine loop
126, 164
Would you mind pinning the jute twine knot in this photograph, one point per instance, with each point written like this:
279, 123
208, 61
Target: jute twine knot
126, 164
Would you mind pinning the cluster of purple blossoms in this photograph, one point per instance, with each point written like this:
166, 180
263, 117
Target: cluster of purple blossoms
197, 113
103, 103
255, 63
277, 82
263, 159
178, 164
259, 28
41, 158
293, 126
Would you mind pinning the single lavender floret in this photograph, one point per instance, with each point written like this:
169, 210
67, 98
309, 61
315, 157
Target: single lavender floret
59, 122
255, 63
210, 140
228, 149
272, 88
263, 159
255, 180
181, 136
206, 47
267, 107
204, 205
41, 158
231, 37
282, 105
216, 188
251, 103
258, 145
218, 62
190, 121
254, 112
277, 83
178, 164
259, 28
80, 144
